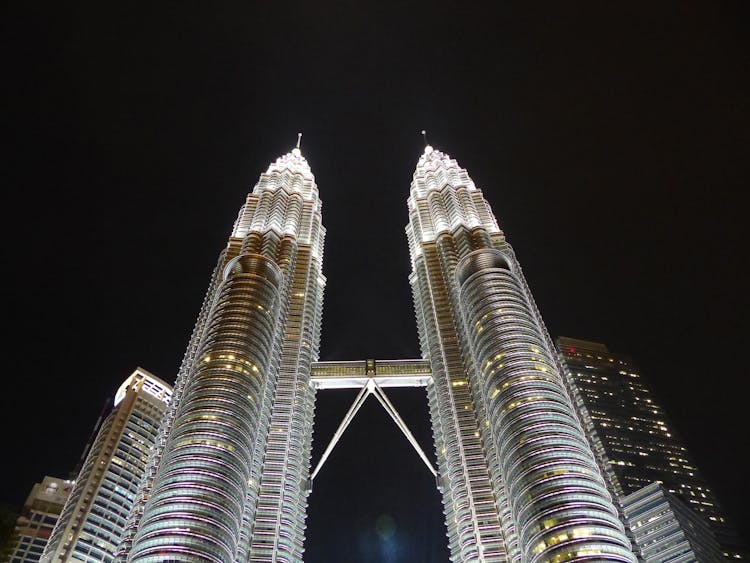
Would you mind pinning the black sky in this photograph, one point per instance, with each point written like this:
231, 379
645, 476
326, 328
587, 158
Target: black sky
611, 141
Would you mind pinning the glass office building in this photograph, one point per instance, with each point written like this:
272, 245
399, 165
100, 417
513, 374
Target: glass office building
92, 521
665, 529
632, 437
37, 519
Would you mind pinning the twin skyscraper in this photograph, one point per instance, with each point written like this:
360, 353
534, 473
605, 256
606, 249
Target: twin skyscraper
228, 479
229, 474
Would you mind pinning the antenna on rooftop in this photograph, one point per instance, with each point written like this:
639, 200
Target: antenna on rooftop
295, 150
427, 146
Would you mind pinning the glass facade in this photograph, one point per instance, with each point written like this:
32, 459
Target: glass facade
92, 521
38, 518
634, 441
665, 529
519, 480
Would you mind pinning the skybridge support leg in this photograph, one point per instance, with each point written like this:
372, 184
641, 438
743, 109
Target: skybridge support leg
370, 388
391, 410
356, 405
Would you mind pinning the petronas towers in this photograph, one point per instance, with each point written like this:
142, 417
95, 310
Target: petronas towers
229, 477
518, 478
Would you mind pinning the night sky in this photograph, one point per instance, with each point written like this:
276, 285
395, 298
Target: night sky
611, 142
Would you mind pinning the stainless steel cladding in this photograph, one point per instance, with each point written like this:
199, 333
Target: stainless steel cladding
519, 480
226, 480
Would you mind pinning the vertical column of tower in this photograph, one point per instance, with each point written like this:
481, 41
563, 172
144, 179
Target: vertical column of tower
472, 518
202, 481
473, 524
559, 501
285, 250
277, 530
492, 363
186, 369
450, 248
207, 494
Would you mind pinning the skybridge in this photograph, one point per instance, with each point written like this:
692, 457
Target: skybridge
371, 377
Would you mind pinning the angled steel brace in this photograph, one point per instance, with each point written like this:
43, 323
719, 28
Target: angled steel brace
371, 388
356, 405
391, 410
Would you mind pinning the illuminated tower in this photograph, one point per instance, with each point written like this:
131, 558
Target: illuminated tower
230, 474
665, 529
228, 478
37, 519
633, 438
519, 480
92, 521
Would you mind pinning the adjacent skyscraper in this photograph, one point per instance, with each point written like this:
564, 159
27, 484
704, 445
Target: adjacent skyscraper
92, 522
665, 529
37, 519
229, 477
632, 436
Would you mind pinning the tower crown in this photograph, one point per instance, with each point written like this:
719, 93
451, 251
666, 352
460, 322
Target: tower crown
291, 172
443, 198
436, 170
277, 200
294, 162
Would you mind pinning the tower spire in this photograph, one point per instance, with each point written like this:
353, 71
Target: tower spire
427, 146
295, 150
